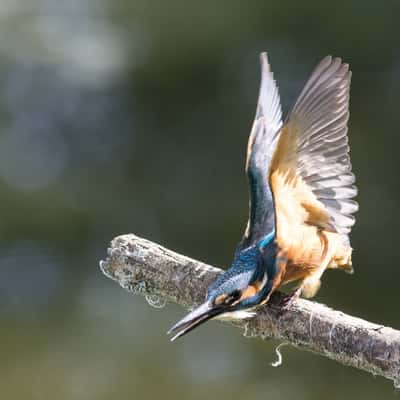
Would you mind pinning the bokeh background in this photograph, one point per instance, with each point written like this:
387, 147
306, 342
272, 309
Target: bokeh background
132, 116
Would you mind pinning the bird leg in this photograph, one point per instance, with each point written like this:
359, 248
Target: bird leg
285, 302
289, 298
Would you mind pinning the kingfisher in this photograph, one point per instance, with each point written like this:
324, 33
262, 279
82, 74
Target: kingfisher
301, 206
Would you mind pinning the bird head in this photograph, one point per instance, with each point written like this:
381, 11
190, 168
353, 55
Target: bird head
238, 289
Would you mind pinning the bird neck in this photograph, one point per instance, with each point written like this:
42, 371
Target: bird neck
259, 257
264, 269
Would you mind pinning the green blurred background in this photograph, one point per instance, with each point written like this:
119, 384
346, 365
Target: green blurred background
132, 116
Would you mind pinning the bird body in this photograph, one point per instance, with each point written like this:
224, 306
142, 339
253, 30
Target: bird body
301, 197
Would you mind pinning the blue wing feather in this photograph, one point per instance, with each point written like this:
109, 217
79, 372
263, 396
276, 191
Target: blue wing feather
262, 142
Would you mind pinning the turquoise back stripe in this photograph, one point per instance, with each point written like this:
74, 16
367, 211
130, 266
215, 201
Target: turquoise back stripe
264, 242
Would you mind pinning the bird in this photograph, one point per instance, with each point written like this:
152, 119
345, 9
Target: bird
301, 198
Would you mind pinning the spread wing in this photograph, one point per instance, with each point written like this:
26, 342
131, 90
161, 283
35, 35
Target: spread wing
262, 142
310, 174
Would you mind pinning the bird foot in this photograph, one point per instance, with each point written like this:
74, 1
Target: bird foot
287, 301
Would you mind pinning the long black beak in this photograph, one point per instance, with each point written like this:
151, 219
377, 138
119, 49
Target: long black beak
198, 316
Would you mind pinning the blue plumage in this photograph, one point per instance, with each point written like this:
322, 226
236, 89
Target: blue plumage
264, 242
249, 266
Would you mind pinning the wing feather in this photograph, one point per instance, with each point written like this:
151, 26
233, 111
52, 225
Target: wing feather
262, 142
311, 165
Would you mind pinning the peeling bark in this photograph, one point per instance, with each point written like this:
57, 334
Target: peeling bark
141, 266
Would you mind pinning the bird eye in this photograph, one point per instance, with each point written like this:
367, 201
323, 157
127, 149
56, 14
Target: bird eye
235, 295
227, 298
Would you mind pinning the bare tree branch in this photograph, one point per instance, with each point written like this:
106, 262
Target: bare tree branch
141, 266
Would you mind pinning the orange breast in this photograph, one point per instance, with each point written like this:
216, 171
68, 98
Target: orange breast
304, 233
